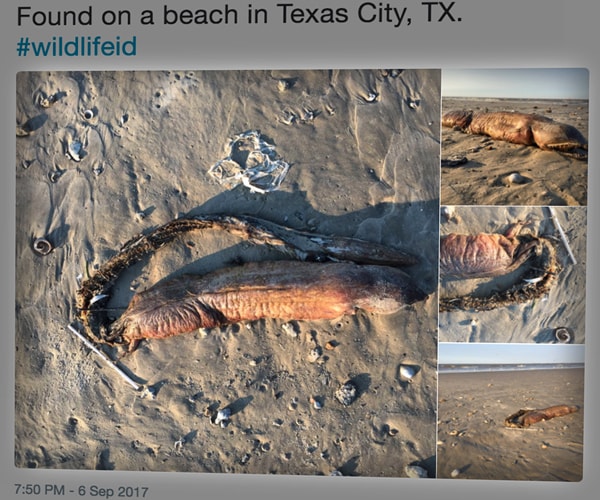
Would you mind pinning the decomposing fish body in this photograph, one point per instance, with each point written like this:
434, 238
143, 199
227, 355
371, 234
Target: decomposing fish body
275, 289
525, 418
483, 255
491, 255
529, 129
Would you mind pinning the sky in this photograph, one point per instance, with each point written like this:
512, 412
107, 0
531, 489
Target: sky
473, 353
534, 83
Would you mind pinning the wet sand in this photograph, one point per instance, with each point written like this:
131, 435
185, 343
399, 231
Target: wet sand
474, 444
551, 178
364, 162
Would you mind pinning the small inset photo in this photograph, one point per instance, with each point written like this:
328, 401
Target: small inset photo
515, 137
512, 274
510, 412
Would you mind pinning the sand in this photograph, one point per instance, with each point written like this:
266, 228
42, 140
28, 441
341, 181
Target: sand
364, 163
474, 444
534, 321
551, 178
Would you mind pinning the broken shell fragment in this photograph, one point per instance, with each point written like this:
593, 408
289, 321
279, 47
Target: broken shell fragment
347, 393
407, 372
42, 246
284, 84
415, 471
516, 178
316, 402
46, 102
74, 151
222, 416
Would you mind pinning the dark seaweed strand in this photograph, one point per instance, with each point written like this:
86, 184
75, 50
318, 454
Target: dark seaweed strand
298, 244
517, 294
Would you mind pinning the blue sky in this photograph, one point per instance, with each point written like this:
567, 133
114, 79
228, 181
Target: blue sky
474, 353
534, 83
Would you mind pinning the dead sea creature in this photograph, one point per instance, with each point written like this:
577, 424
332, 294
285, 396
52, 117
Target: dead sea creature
525, 418
483, 255
298, 244
521, 128
274, 289
490, 255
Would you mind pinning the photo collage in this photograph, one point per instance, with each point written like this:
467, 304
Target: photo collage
375, 273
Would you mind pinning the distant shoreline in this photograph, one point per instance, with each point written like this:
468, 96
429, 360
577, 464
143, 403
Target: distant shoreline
452, 368
519, 99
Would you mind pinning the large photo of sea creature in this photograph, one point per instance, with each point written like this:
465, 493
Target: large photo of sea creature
228, 271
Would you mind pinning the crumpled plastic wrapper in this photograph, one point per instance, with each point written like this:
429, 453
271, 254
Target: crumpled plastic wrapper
252, 162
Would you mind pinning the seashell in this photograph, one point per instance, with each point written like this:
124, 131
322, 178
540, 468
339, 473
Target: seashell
222, 417
372, 97
74, 150
455, 473
288, 118
413, 104
336, 473
42, 246
415, 471
516, 178
46, 102
347, 393
314, 354
88, 114
563, 335
309, 115
289, 329
54, 175
284, 84
23, 131
331, 345
533, 281
316, 402
407, 372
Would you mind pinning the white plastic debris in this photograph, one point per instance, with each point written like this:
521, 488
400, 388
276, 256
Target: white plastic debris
252, 162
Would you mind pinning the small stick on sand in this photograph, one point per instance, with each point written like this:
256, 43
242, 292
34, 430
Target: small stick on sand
125, 377
562, 234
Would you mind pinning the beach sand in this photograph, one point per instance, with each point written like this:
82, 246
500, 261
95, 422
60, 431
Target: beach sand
474, 444
364, 156
530, 322
552, 178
